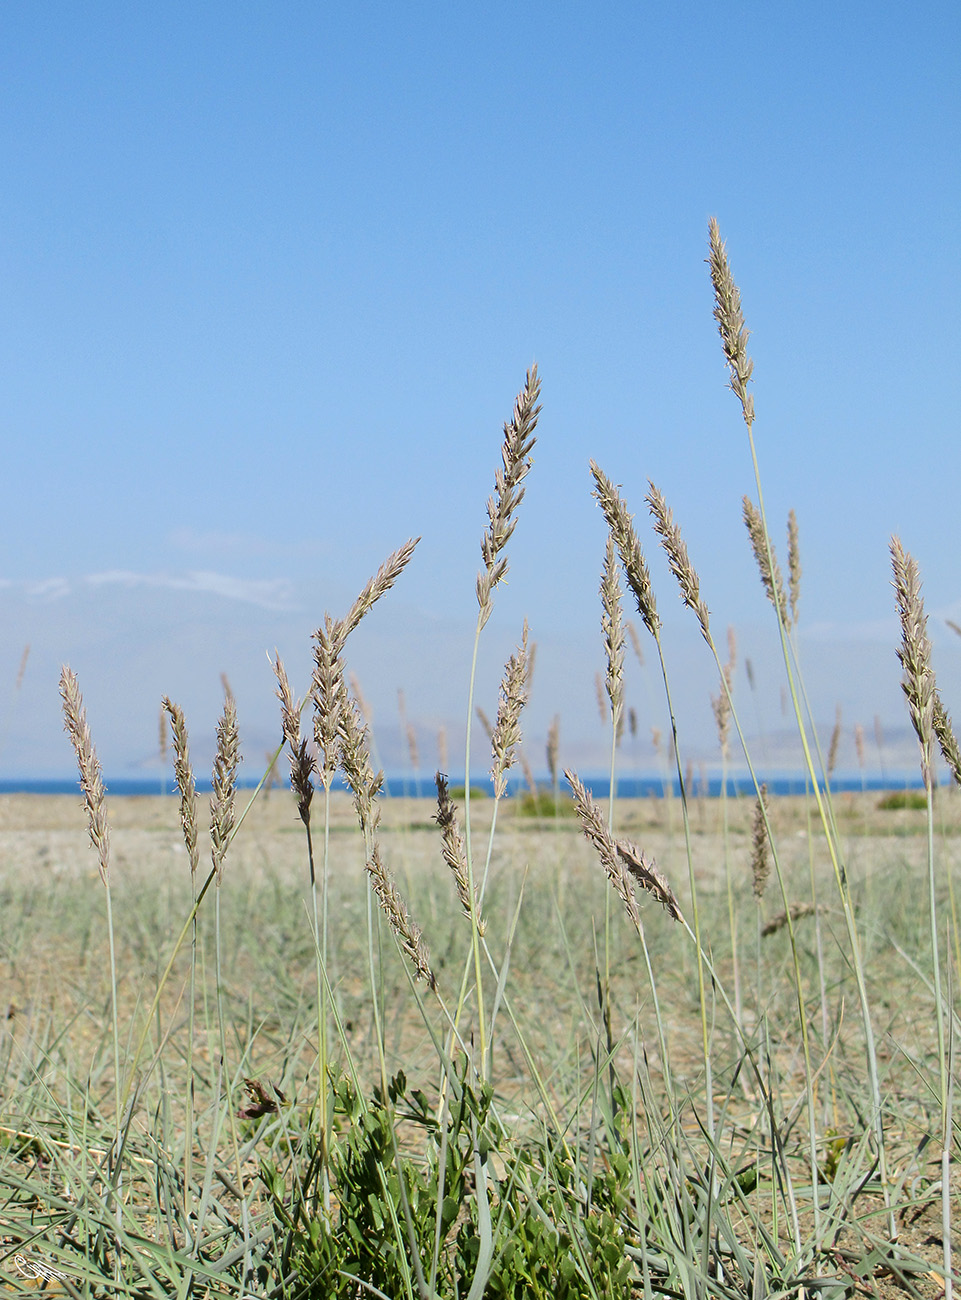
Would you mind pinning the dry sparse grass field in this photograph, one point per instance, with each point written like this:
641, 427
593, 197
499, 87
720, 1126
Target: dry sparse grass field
374, 1047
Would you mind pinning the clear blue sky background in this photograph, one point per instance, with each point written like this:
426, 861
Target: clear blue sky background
271, 276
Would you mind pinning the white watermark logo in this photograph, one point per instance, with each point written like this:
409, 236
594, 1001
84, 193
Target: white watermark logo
35, 1268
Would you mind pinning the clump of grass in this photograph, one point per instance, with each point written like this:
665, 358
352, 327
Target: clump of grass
898, 799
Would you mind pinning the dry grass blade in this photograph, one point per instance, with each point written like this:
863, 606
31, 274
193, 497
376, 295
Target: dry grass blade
91, 776
767, 563
184, 776
594, 827
224, 783
917, 680
621, 525
730, 322
648, 875
453, 849
507, 729
677, 557
502, 507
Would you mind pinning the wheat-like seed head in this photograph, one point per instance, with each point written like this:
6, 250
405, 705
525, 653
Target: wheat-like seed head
621, 525
507, 730
354, 751
635, 642
721, 707
835, 744
595, 828
941, 720
553, 746
677, 557
730, 323
770, 576
224, 783
91, 775
381, 582
647, 874
302, 762
453, 850
917, 679
612, 627
502, 507
485, 722
760, 859
329, 693
184, 776
797, 912
793, 564
398, 917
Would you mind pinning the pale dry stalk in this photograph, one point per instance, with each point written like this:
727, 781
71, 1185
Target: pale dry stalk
184, 776
621, 525
502, 507
678, 559
917, 680
91, 775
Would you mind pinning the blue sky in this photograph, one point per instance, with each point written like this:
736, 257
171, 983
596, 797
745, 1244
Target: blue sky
272, 276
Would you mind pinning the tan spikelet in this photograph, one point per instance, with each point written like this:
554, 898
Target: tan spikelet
91, 776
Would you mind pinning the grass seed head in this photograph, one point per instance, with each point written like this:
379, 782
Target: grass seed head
766, 560
91, 775
184, 776
730, 322
677, 557
917, 679
453, 849
502, 507
506, 735
398, 917
224, 781
612, 628
760, 856
621, 525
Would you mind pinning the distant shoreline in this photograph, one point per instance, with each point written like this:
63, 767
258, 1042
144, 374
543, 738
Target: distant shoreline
399, 787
